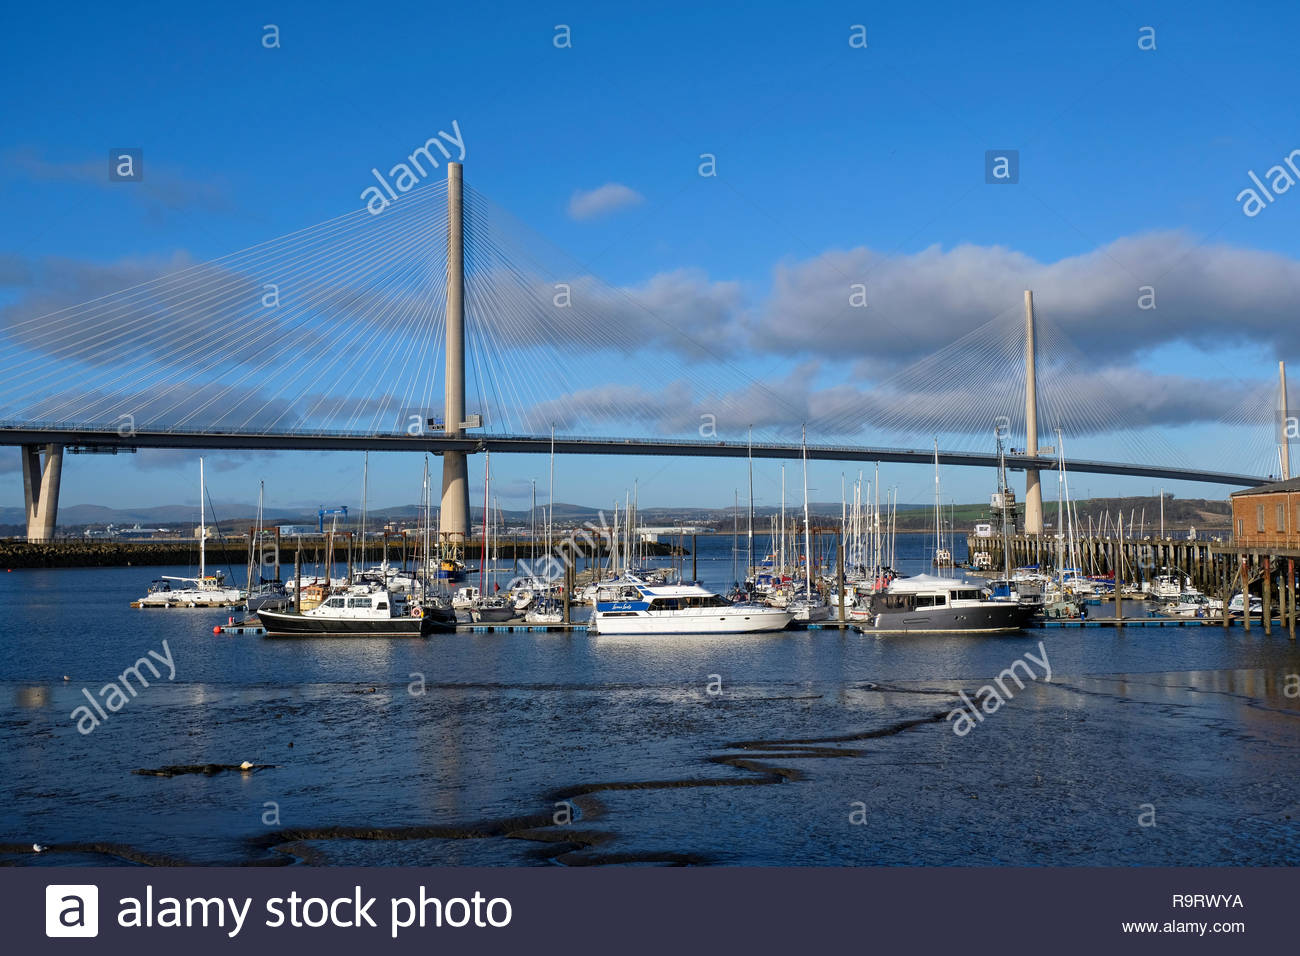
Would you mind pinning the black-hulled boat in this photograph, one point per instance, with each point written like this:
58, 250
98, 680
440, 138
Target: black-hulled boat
361, 611
926, 604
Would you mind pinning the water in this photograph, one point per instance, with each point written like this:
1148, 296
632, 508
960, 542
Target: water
530, 749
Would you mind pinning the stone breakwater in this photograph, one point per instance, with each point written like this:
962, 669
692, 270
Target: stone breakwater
105, 554
108, 554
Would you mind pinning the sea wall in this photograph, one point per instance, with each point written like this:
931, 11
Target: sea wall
76, 553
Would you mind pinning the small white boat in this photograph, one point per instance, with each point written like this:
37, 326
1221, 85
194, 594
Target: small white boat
465, 597
1169, 584
207, 591
1192, 603
545, 611
203, 590
1235, 605
806, 609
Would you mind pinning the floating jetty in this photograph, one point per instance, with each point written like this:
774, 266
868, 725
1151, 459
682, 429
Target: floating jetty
255, 629
1136, 622
233, 550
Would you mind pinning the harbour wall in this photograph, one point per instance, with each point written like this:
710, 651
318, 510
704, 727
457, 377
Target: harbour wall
77, 553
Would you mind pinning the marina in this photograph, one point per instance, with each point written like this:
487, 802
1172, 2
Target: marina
564, 709
892, 523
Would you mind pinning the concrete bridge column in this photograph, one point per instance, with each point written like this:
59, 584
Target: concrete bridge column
454, 512
1033, 489
41, 489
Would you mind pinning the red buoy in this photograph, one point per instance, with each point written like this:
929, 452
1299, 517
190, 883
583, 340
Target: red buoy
217, 629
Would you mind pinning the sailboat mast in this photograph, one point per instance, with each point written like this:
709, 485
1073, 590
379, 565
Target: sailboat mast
782, 569
261, 550
1069, 516
807, 530
937, 519
1002, 496
749, 567
875, 523
203, 528
613, 544
424, 551
550, 513
844, 515
365, 477
735, 534
483, 551
893, 528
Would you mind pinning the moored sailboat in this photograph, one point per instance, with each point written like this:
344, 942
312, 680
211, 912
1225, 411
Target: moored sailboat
205, 590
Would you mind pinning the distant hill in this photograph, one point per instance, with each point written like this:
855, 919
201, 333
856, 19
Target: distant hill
1180, 514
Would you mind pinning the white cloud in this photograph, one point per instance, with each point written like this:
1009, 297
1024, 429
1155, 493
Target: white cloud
602, 200
920, 302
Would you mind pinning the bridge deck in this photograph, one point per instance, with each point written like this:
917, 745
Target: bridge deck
103, 438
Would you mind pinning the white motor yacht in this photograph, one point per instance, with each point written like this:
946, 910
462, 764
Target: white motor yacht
633, 606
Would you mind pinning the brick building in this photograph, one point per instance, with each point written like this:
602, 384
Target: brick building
1267, 516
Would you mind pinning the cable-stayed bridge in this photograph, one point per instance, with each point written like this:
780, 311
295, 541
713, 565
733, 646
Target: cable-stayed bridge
443, 325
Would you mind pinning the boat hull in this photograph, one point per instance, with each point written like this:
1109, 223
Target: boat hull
493, 615
194, 599
748, 621
987, 618
307, 625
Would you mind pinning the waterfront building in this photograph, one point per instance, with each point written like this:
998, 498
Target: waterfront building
1267, 515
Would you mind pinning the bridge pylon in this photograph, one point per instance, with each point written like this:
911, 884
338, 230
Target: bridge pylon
1284, 434
1033, 489
453, 516
41, 489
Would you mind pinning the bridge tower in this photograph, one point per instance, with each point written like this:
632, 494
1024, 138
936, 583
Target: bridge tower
1285, 452
41, 489
454, 512
1033, 490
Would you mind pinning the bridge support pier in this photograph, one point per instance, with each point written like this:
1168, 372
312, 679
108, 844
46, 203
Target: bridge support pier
1033, 489
41, 489
453, 514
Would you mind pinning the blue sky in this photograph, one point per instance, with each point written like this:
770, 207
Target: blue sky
821, 149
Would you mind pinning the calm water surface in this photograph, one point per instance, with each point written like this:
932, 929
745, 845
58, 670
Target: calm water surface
544, 749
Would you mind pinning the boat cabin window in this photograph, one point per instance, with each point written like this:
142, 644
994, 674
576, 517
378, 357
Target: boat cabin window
382, 606
688, 601
334, 602
931, 600
359, 602
971, 595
